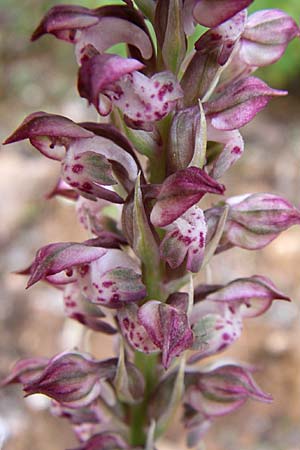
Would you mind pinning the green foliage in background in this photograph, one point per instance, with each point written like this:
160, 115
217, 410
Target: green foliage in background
286, 70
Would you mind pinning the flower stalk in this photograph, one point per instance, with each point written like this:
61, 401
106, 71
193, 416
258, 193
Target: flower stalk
168, 130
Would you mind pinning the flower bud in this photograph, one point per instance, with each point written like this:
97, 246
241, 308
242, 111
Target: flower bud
254, 220
71, 379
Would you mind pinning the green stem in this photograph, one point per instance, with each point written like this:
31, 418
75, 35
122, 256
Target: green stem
153, 280
159, 162
148, 365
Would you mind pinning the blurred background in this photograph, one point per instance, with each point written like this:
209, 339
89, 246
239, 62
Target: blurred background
42, 76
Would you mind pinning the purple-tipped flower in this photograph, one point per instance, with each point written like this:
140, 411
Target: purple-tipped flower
100, 28
110, 79
265, 38
156, 326
87, 158
254, 294
71, 379
112, 280
185, 238
239, 103
216, 392
253, 221
62, 256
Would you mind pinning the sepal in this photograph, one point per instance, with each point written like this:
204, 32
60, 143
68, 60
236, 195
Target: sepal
51, 134
167, 327
25, 371
179, 192
54, 258
185, 238
212, 13
254, 294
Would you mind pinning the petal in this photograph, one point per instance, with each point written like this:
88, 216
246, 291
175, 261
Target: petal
148, 99
210, 406
87, 172
240, 102
113, 281
212, 13
233, 148
223, 37
101, 71
259, 55
264, 213
179, 192
185, 237
214, 328
168, 329
62, 189
78, 308
134, 331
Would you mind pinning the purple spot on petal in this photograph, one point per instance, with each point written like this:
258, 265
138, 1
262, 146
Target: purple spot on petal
236, 150
115, 298
226, 336
87, 186
77, 168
